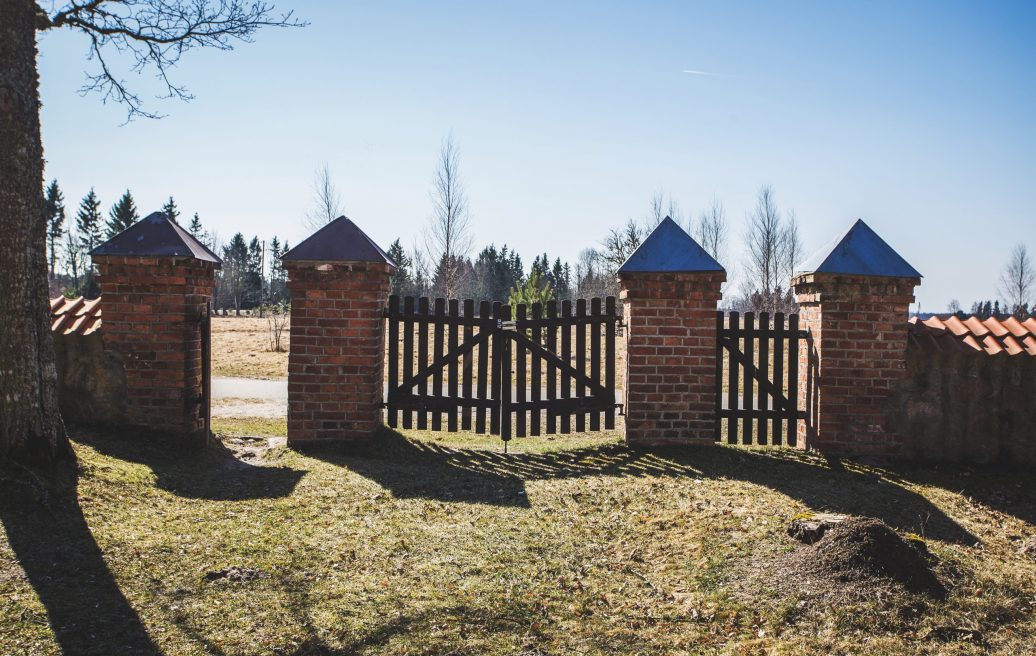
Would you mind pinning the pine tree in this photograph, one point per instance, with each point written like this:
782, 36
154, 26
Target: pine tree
171, 210
254, 279
54, 218
195, 228
88, 225
534, 290
88, 221
233, 276
559, 280
403, 278
123, 214
275, 270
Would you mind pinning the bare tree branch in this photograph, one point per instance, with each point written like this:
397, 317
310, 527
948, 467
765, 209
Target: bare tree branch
327, 203
1018, 281
448, 237
712, 230
772, 248
154, 34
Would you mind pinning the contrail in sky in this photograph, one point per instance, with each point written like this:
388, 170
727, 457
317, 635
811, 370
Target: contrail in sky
706, 73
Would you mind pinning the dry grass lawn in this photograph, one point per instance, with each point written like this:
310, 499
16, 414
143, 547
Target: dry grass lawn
241, 349
422, 544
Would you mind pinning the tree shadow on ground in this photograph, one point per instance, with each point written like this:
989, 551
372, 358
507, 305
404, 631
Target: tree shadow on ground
212, 473
1008, 490
53, 543
412, 468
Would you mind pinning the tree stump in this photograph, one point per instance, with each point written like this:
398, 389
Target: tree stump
809, 529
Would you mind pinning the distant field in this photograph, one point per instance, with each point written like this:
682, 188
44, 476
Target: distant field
240, 348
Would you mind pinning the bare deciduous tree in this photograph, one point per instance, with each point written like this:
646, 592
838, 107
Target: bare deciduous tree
712, 230
619, 245
448, 237
593, 279
663, 205
792, 247
773, 249
327, 202
1018, 281
153, 34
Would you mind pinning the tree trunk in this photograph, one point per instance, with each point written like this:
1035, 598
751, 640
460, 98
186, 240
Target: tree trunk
30, 423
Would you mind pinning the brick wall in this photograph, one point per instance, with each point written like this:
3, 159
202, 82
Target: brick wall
337, 359
858, 327
671, 355
151, 309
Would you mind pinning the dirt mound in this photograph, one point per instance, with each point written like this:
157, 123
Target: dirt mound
863, 548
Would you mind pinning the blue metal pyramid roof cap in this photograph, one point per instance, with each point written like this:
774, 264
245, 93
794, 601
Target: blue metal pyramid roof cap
156, 235
669, 249
338, 241
861, 252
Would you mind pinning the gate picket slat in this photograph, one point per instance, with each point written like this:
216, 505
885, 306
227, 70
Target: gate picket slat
595, 355
505, 378
552, 383
519, 377
566, 356
408, 353
422, 356
581, 359
793, 379
609, 362
437, 345
469, 316
776, 431
498, 356
393, 356
717, 426
536, 364
733, 376
763, 371
451, 385
485, 323
746, 393
464, 363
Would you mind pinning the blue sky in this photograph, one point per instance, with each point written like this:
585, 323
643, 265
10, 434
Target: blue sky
917, 117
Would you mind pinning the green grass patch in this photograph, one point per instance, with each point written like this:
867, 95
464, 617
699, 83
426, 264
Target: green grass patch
441, 543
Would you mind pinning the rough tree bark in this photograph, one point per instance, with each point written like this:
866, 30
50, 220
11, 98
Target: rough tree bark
30, 423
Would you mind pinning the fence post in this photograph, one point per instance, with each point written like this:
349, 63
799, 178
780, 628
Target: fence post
854, 302
670, 288
156, 285
339, 282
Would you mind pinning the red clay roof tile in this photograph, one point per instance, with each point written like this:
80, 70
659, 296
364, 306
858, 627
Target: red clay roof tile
75, 315
970, 335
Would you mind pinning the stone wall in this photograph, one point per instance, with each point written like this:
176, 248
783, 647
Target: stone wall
966, 407
91, 381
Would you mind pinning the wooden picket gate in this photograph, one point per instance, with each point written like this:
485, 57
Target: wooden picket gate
757, 378
491, 373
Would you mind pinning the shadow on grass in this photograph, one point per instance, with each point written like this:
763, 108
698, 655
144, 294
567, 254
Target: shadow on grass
50, 537
61, 559
417, 469
213, 473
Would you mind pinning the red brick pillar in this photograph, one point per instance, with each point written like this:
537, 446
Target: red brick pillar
339, 281
670, 378
857, 324
336, 366
151, 310
670, 288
